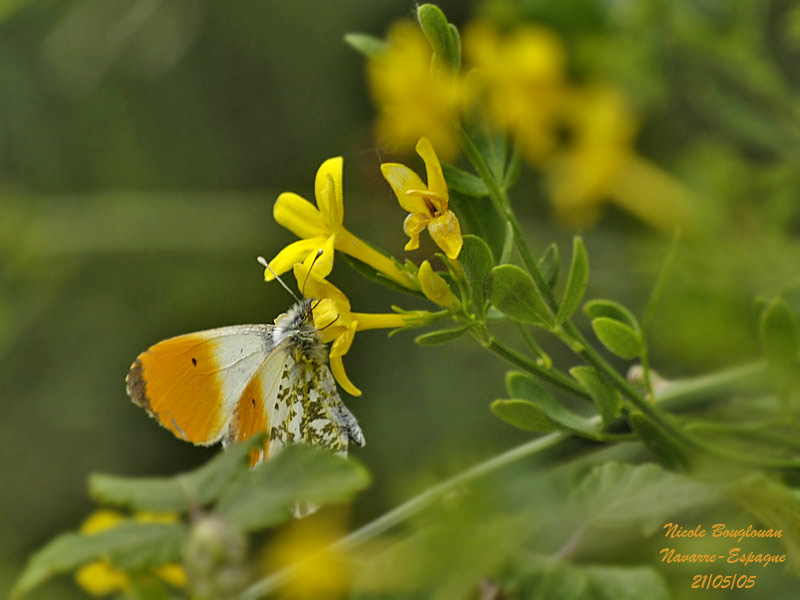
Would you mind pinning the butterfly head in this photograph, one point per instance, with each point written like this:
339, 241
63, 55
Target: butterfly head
297, 325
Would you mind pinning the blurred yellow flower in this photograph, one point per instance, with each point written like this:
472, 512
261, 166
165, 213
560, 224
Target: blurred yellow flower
413, 100
321, 228
318, 571
521, 78
600, 164
333, 317
427, 204
99, 578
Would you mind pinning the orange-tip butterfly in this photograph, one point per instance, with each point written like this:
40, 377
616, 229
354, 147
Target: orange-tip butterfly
230, 383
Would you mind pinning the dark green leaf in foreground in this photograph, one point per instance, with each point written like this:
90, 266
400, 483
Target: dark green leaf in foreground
476, 261
549, 265
615, 495
434, 338
129, 545
195, 488
605, 397
366, 44
576, 281
265, 495
618, 337
514, 294
533, 408
551, 578
779, 337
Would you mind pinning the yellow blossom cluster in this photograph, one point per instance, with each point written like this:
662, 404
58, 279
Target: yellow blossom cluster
581, 136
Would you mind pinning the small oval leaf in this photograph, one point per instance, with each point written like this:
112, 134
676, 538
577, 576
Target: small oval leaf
434, 338
515, 295
576, 282
549, 265
476, 261
617, 337
613, 310
437, 30
522, 415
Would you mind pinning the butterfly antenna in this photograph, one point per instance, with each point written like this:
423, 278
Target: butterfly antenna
263, 261
313, 262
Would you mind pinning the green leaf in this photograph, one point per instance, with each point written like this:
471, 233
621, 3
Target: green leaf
366, 44
605, 397
454, 33
129, 545
479, 217
576, 282
437, 31
514, 294
595, 309
180, 492
778, 328
617, 337
367, 271
549, 265
434, 338
513, 170
669, 452
523, 415
615, 495
264, 496
533, 408
463, 182
476, 261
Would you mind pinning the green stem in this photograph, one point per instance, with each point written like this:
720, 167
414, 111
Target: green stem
551, 375
523, 331
677, 395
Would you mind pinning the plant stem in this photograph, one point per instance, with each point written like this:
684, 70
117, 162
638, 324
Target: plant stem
551, 375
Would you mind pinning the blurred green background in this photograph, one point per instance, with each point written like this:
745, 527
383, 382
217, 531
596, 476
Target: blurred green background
143, 142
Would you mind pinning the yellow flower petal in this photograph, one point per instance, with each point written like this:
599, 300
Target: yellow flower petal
337, 368
294, 253
446, 232
435, 288
436, 182
101, 520
413, 225
299, 216
319, 288
99, 578
322, 263
403, 180
342, 343
328, 190
172, 573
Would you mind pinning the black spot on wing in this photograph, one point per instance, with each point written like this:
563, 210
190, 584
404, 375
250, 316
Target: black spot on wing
194, 361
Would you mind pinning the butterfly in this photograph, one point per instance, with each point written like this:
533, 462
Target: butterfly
230, 383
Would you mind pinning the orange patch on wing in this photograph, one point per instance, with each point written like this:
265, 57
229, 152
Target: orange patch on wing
251, 418
182, 387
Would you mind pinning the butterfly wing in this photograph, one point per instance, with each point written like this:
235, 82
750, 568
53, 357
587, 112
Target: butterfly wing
293, 397
193, 384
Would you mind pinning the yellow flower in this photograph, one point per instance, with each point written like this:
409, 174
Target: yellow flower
427, 204
412, 100
338, 324
435, 288
99, 578
521, 77
318, 571
601, 165
321, 228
